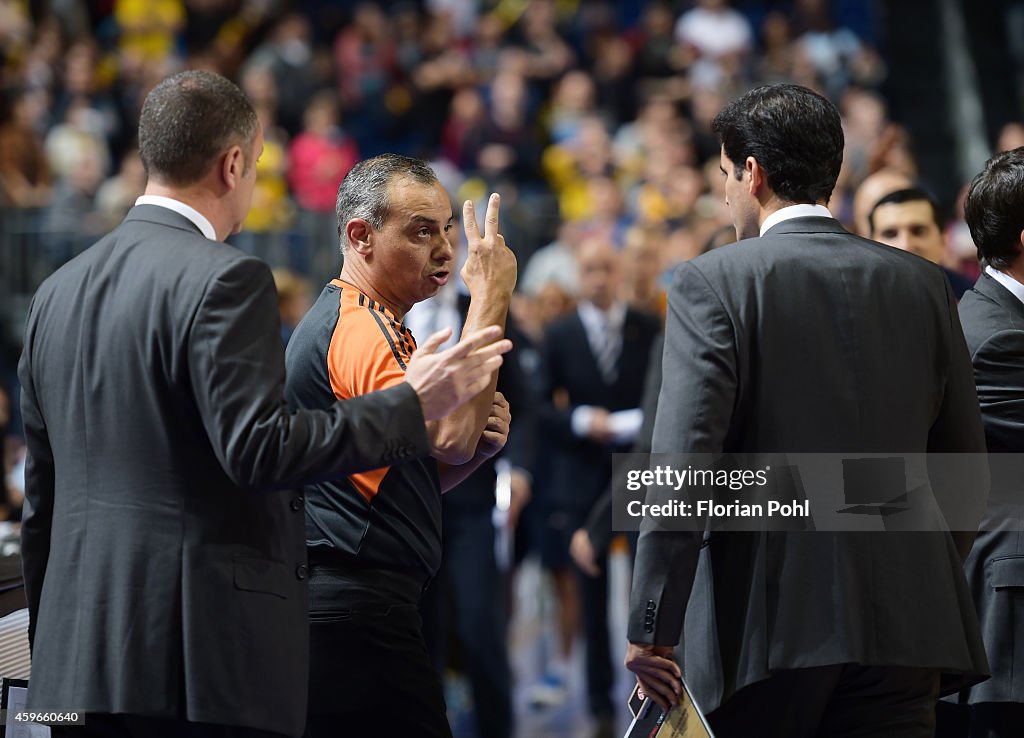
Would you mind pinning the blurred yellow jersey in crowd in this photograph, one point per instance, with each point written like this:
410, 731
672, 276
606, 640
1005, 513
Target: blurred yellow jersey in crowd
149, 28
271, 209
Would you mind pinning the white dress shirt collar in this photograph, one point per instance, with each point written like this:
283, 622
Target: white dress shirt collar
1007, 281
794, 211
594, 318
200, 220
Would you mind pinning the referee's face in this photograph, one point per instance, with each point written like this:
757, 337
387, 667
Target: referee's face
412, 257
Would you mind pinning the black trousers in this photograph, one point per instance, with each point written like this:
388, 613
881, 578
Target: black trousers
840, 701
100, 725
469, 591
980, 720
598, 658
600, 662
369, 671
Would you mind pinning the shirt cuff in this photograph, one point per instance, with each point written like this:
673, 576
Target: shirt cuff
580, 420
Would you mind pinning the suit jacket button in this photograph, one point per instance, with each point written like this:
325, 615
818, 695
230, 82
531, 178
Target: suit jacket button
296, 504
648, 628
300, 571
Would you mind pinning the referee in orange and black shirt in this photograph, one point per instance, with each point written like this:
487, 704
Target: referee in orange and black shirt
374, 538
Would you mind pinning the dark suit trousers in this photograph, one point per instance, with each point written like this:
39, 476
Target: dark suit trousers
99, 725
594, 602
980, 720
840, 701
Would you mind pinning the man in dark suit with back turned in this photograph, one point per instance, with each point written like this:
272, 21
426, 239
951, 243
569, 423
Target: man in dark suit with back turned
992, 315
166, 590
807, 340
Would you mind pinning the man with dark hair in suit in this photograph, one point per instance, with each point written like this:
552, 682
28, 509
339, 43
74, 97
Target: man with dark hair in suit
165, 586
807, 339
992, 314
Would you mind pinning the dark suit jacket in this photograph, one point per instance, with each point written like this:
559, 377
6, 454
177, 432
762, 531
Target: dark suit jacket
993, 321
582, 468
600, 520
810, 340
161, 579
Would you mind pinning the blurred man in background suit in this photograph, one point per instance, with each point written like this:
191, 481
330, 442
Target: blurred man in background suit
595, 361
166, 591
807, 339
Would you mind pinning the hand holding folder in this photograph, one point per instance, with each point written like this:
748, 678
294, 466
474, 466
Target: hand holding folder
684, 720
657, 672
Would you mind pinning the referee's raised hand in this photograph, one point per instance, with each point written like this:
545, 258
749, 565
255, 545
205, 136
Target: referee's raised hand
490, 269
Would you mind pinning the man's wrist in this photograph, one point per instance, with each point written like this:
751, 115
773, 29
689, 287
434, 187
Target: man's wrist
491, 294
481, 454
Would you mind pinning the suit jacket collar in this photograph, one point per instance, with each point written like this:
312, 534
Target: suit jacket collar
615, 315
163, 216
629, 317
991, 289
810, 224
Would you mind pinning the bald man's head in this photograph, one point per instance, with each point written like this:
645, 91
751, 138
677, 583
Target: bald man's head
600, 269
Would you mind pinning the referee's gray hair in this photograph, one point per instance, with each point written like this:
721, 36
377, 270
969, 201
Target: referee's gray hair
364, 191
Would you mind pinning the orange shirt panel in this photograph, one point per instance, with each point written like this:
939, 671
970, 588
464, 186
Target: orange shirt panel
369, 351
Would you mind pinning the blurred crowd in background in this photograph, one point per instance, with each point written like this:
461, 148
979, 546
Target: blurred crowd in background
591, 118
587, 116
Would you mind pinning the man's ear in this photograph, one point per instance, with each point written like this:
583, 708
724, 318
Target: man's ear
758, 178
360, 236
232, 167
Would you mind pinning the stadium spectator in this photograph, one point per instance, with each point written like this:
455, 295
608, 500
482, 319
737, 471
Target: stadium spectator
318, 160
719, 37
117, 194
288, 56
24, 172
